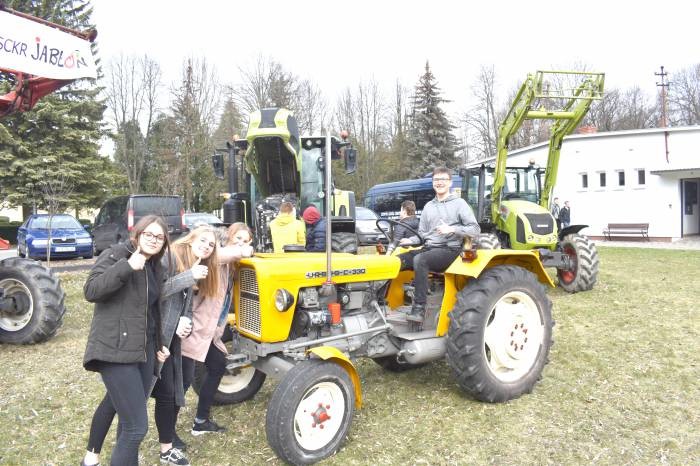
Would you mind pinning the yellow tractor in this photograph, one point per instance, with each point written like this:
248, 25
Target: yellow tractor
304, 317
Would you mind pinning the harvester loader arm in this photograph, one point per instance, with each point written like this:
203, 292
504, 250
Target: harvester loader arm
42, 56
570, 108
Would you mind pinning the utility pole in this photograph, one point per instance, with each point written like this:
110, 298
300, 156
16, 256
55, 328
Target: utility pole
664, 122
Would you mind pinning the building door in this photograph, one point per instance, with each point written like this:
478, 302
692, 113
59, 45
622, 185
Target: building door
691, 202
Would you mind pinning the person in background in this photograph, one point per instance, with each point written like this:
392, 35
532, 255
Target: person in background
315, 229
444, 223
125, 336
556, 210
204, 343
286, 228
565, 215
407, 217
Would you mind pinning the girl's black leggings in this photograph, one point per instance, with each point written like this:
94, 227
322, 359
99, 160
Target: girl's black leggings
127, 388
215, 363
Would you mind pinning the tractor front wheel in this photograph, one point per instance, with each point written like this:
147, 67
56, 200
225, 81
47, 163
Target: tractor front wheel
584, 264
500, 333
310, 412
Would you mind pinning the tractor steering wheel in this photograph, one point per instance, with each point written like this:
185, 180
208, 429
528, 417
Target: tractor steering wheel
393, 243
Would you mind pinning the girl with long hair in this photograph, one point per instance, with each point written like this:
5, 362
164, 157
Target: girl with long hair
204, 344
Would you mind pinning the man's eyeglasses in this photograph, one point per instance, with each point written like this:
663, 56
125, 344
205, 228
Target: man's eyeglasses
151, 237
441, 180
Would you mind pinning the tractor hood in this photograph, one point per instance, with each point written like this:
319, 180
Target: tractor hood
309, 268
273, 154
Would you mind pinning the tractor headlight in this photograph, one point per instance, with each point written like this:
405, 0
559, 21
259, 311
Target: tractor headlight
283, 300
40, 242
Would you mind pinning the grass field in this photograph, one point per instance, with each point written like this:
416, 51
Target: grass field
622, 387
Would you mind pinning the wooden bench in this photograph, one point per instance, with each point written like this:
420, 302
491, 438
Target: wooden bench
627, 229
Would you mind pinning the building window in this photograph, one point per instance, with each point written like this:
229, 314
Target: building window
641, 176
602, 179
584, 180
621, 178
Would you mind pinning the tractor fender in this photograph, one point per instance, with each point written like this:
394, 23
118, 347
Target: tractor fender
487, 258
329, 353
570, 230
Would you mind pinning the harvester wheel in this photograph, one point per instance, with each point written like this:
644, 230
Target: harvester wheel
487, 241
236, 386
310, 412
500, 334
38, 297
584, 261
344, 242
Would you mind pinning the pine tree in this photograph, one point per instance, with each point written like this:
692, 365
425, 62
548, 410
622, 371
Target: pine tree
58, 139
430, 141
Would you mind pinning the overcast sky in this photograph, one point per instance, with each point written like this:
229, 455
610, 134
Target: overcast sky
339, 44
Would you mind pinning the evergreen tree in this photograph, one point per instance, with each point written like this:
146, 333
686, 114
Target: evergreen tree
58, 139
430, 141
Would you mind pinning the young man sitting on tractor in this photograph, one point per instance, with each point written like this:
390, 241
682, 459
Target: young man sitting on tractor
444, 223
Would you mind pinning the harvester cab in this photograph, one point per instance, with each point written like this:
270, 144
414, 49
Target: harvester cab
282, 166
512, 203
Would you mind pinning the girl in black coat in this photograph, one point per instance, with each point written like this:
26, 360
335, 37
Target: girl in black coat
126, 285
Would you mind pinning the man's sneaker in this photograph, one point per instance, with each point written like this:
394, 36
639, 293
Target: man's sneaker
206, 427
417, 313
179, 443
174, 457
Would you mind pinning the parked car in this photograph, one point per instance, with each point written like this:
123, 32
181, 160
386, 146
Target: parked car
68, 237
195, 219
119, 215
366, 227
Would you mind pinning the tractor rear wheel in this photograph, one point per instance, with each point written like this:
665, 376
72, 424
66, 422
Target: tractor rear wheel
584, 264
500, 333
344, 242
236, 386
38, 301
310, 412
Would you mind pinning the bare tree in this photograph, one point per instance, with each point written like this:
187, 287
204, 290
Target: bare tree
56, 190
266, 84
684, 97
311, 109
482, 120
132, 87
363, 114
621, 110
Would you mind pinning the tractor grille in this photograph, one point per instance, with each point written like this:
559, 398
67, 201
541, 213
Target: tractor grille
63, 240
541, 224
249, 312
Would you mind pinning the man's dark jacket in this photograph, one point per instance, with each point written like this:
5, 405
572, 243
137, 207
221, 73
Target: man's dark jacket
316, 236
401, 232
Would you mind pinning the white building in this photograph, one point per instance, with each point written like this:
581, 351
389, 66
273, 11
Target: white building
638, 176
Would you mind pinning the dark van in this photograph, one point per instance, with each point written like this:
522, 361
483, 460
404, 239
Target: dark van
119, 215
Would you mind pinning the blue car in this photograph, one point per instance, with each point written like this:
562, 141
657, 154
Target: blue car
68, 237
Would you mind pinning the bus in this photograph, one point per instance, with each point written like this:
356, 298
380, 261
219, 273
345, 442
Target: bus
386, 198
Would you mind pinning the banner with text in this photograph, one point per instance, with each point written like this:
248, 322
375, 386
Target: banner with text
34, 48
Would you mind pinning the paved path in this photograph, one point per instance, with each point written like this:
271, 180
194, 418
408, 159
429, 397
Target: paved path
691, 242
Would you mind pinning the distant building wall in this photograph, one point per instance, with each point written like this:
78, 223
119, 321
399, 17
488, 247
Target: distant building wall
655, 196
